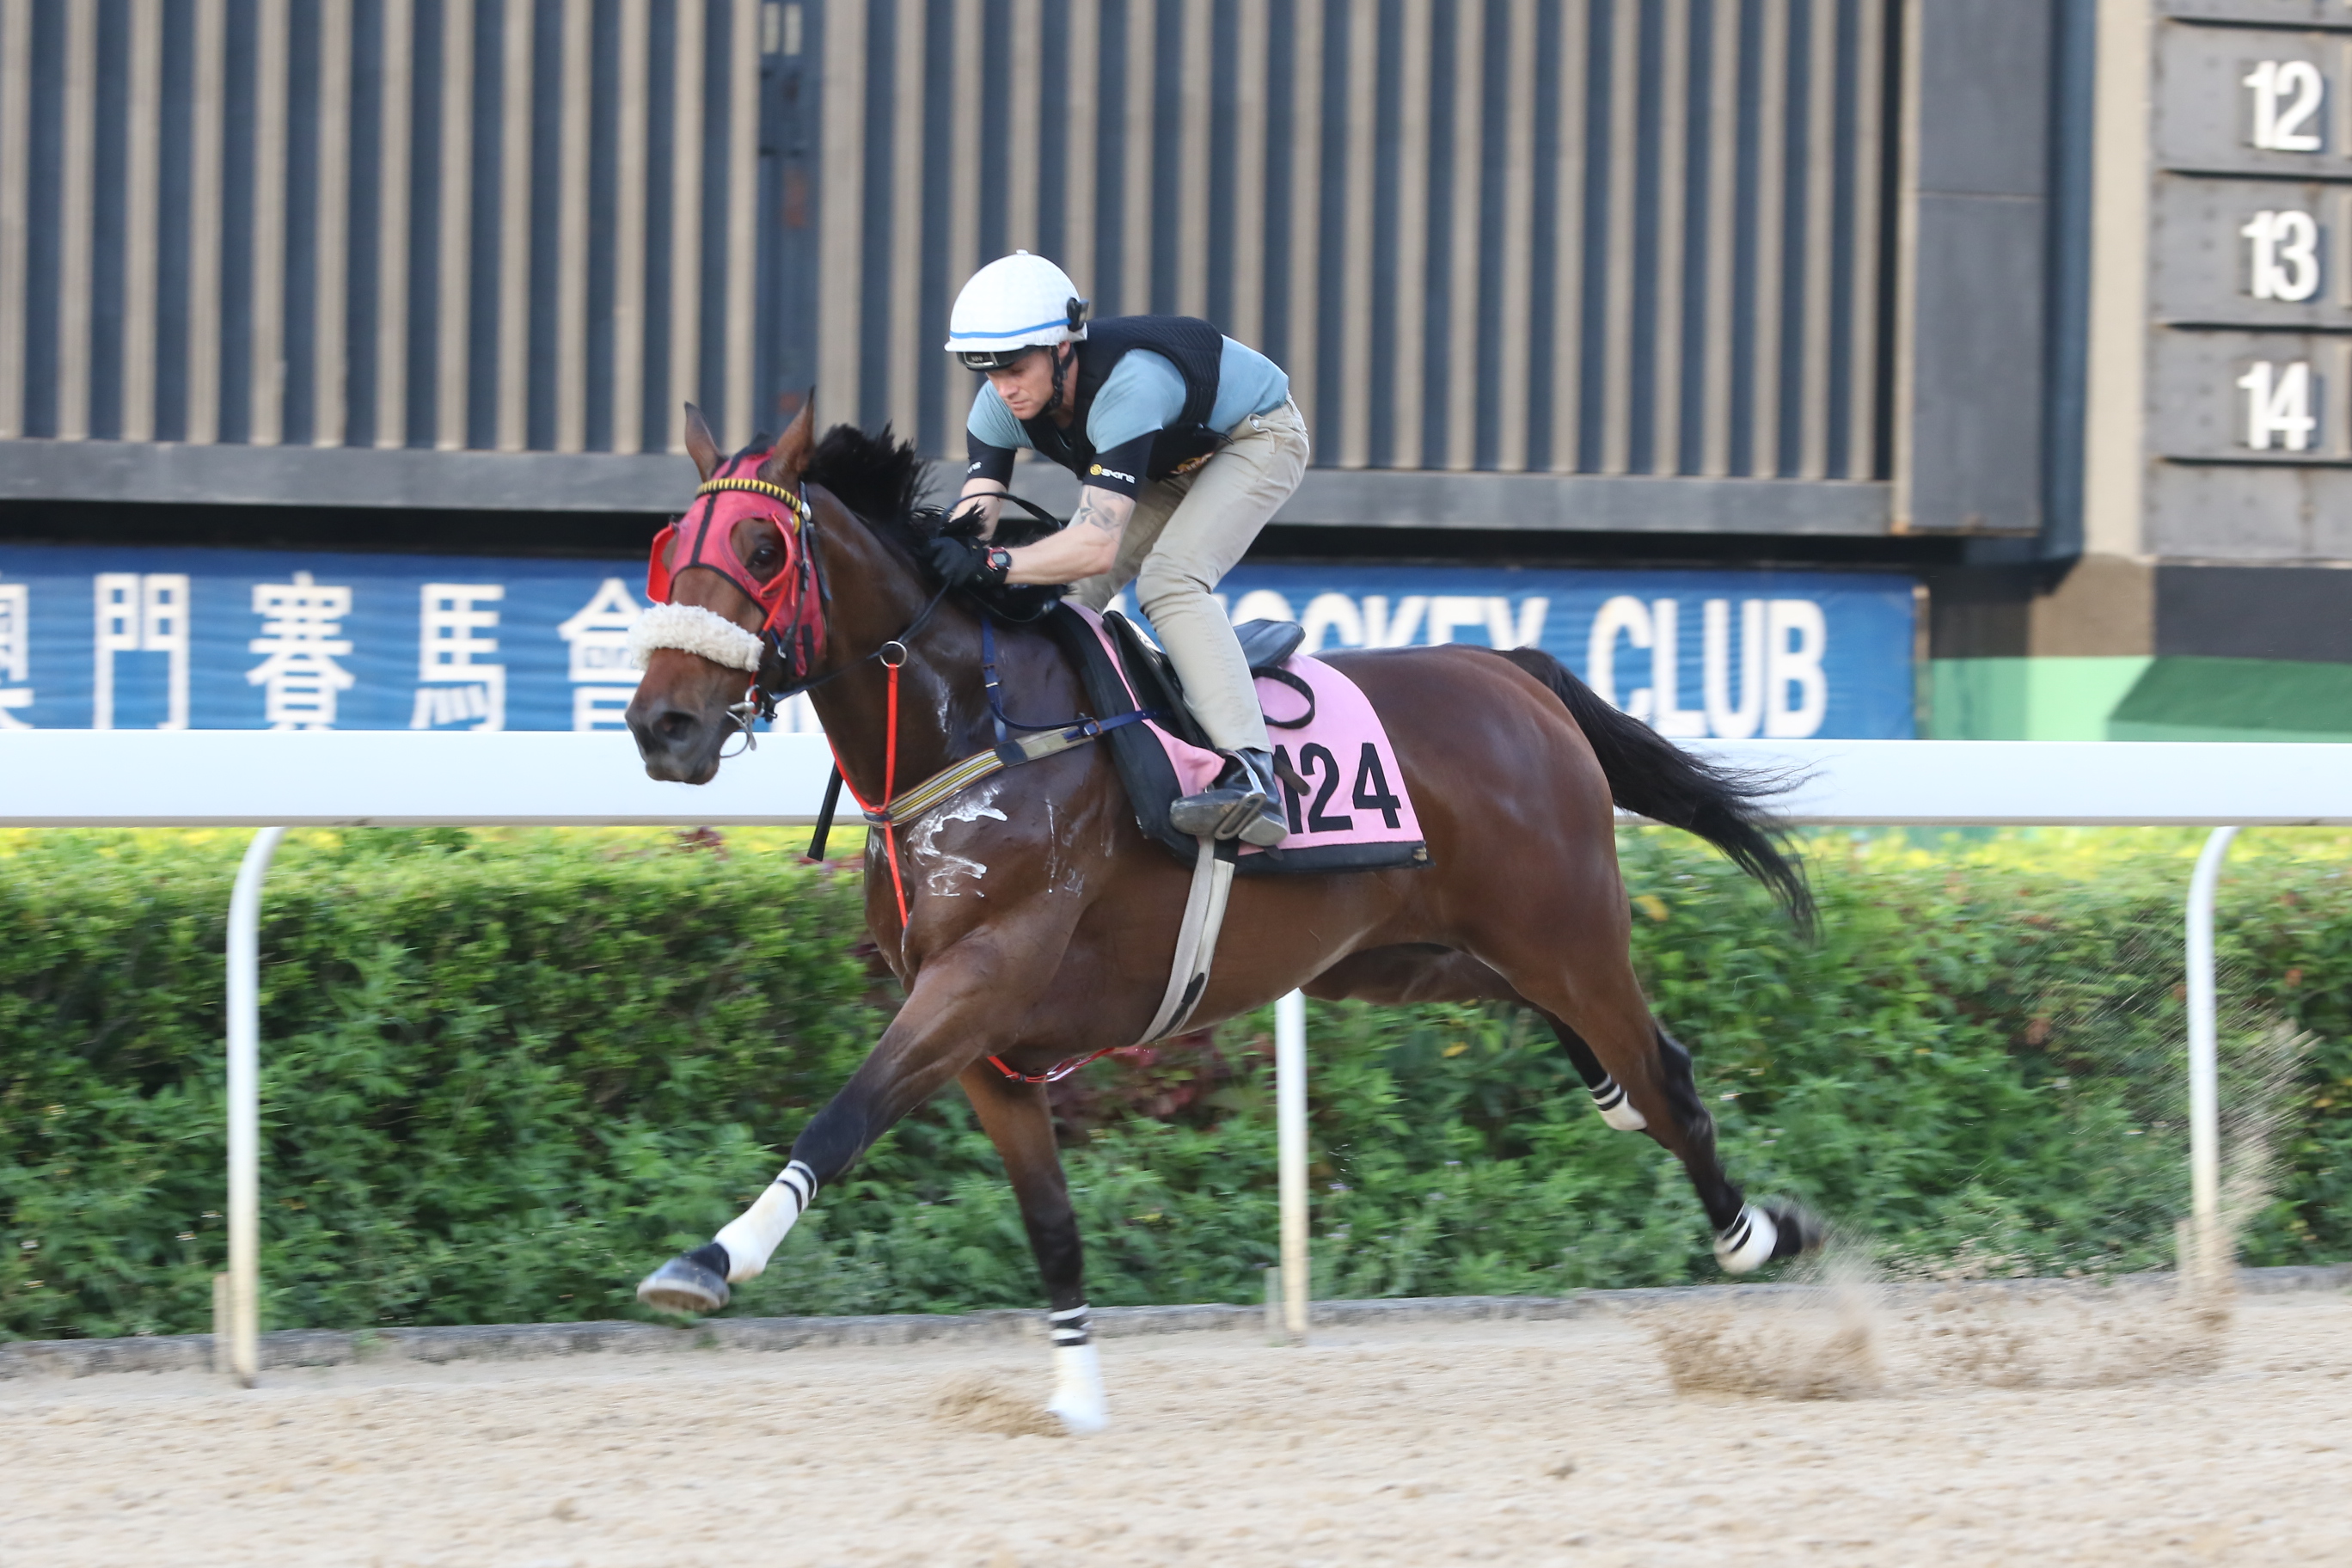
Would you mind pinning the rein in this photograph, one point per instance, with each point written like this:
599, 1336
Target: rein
763, 701
894, 810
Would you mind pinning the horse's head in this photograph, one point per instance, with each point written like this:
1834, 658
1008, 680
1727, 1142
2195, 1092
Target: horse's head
735, 585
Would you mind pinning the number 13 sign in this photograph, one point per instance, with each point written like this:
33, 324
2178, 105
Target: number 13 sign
2283, 255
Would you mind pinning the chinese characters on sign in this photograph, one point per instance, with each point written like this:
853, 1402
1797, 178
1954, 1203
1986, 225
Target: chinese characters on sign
603, 681
455, 687
231, 639
142, 613
300, 679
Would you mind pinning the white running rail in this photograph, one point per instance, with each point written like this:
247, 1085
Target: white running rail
66, 778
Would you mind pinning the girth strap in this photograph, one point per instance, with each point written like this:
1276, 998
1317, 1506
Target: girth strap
1196, 938
1187, 977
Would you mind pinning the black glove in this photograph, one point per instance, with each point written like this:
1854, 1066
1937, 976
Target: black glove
969, 563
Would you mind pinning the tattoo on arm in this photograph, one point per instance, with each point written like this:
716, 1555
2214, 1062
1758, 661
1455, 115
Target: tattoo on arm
1100, 509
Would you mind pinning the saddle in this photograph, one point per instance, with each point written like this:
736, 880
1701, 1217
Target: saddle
1151, 674
1346, 818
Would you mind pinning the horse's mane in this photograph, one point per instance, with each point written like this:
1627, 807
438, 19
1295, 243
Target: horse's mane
879, 477
883, 479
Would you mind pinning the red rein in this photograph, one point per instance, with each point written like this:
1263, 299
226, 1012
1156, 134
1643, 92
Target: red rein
890, 786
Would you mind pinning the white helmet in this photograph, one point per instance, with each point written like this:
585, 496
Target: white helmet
1013, 304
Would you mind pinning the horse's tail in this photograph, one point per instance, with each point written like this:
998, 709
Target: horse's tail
1651, 776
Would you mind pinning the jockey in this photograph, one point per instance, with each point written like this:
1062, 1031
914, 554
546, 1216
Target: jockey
1184, 443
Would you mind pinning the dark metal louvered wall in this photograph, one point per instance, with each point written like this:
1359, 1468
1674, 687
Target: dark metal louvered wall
504, 225
1589, 238
1611, 237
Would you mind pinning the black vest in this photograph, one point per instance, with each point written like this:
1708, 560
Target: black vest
1194, 347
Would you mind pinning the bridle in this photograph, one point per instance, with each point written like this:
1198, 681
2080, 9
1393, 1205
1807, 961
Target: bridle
791, 627
792, 634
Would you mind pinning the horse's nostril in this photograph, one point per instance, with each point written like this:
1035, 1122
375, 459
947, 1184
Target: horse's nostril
675, 726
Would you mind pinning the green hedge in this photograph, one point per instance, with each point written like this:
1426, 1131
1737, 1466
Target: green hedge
504, 1074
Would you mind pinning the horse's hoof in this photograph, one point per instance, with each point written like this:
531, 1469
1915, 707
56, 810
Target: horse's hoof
1800, 1232
1078, 1391
683, 1285
1765, 1235
1079, 1417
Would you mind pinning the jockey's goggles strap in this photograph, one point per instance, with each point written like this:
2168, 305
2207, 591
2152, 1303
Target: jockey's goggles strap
982, 360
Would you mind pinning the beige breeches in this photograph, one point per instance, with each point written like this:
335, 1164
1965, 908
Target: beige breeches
1186, 534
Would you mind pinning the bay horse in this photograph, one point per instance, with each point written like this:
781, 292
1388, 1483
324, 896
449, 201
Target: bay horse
1031, 921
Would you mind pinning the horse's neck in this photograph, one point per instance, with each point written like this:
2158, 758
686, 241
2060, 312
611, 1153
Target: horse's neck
943, 712
940, 703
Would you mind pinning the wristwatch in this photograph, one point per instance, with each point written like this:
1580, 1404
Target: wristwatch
996, 565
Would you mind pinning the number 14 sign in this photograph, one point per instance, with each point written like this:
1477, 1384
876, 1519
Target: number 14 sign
2278, 405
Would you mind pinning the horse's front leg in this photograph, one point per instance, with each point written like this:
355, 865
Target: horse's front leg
1020, 1122
954, 1014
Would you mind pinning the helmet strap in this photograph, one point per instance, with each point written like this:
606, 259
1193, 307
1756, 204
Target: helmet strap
1062, 362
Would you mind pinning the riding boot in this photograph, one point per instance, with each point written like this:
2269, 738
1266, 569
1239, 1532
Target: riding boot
1246, 802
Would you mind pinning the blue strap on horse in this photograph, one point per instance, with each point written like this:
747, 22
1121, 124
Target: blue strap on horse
1008, 751
1040, 742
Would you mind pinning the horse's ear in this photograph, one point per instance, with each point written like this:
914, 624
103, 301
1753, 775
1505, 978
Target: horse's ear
790, 454
699, 443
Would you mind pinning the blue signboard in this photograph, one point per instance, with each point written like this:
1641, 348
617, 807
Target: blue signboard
1734, 655
235, 639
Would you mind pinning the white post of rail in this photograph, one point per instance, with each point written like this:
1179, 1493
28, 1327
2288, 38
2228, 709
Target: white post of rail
245, 1107
2204, 1096
1290, 1158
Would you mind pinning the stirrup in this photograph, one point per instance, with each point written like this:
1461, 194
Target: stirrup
1246, 802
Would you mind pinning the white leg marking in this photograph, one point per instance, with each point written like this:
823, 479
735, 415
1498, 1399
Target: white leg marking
752, 1237
1747, 1245
1078, 1389
1616, 1109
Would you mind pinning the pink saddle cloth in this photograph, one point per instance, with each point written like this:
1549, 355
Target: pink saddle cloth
1355, 812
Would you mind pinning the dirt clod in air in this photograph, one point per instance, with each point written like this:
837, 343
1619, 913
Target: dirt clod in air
1952, 1322
979, 1403
2090, 1341
1910, 1340
1768, 1355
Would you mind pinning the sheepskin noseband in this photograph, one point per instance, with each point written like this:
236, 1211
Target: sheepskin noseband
690, 628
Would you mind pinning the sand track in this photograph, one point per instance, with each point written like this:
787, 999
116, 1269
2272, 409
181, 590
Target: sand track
1510, 1442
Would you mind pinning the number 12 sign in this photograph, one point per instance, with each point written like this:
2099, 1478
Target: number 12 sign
2287, 95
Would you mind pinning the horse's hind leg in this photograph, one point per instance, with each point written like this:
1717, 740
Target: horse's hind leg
1425, 971
1609, 1096
1638, 1075
1020, 1122
1581, 979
